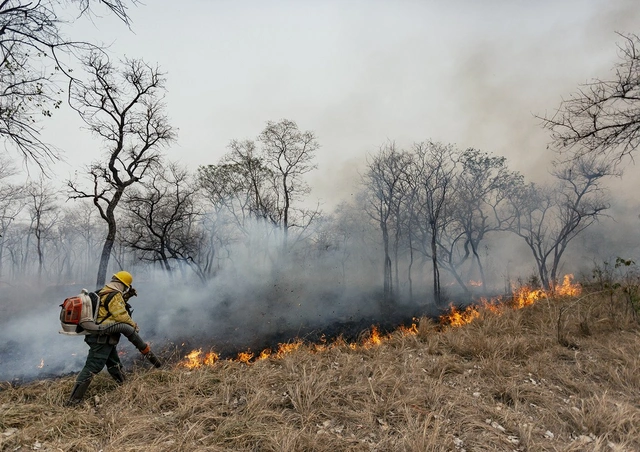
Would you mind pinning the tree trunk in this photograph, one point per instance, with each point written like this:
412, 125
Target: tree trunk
436, 271
104, 261
106, 252
480, 268
388, 284
409, 269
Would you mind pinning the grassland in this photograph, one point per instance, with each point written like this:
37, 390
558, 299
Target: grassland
560, 375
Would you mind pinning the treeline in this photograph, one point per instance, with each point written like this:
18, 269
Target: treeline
420, 212
437, 204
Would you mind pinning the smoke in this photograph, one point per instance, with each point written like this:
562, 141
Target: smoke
260, 298
31, 346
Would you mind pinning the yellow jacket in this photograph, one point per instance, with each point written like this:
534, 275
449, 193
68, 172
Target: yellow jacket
117, 308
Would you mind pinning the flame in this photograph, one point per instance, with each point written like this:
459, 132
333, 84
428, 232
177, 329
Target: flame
525, 296
196, 359
567, 288
494, 305
289, 347
409, 331
192, 360
374, 338
245, 357
41, 365
457, 317
521, 297
210, 358
475, 283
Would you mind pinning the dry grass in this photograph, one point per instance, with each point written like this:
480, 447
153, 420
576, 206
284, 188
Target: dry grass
502, 383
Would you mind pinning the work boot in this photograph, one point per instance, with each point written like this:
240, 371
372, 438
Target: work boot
77, 394
117, 374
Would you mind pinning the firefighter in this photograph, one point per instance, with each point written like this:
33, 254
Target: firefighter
114, 308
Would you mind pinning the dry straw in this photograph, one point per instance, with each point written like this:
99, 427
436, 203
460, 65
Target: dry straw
503, 382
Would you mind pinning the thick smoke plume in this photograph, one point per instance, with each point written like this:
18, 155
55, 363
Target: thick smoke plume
263, 297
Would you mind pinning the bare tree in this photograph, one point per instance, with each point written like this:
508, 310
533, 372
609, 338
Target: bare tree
289, 153
82, 224
43, 209
162, 214
11, 202
124, 108
603, 117
251, 183
548, 218
478, 208
434, 171
242, 184
383, 181
31, 44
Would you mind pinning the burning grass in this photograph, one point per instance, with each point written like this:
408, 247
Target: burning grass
501, 381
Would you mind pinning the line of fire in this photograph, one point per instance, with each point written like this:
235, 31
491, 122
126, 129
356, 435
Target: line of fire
521, 297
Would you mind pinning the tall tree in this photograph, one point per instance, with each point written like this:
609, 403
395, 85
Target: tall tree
242, 184
383, 181
11, 202
124, 107
434, 172
548, 218
289, 153
43, 210
479, 208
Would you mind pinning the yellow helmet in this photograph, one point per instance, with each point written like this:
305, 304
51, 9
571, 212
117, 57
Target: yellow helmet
124, 277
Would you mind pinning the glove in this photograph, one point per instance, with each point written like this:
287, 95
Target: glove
129, 293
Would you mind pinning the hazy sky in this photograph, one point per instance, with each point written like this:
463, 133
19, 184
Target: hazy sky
360, 72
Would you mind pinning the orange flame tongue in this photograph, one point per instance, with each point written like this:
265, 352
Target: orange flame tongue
374, 338
411, 330
196, 359
192, 360
210, 358
283, 349
457, 317
567, 288
525, 296
245, 357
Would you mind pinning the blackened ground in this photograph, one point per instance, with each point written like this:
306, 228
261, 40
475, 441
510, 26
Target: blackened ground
235, 339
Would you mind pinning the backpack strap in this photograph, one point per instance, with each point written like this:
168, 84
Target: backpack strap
106, 302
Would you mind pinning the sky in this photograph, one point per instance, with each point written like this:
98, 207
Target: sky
359, 73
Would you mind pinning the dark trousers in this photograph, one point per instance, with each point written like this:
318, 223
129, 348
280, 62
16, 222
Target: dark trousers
101, 353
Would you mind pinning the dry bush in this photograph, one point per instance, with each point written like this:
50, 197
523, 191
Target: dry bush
501, 383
